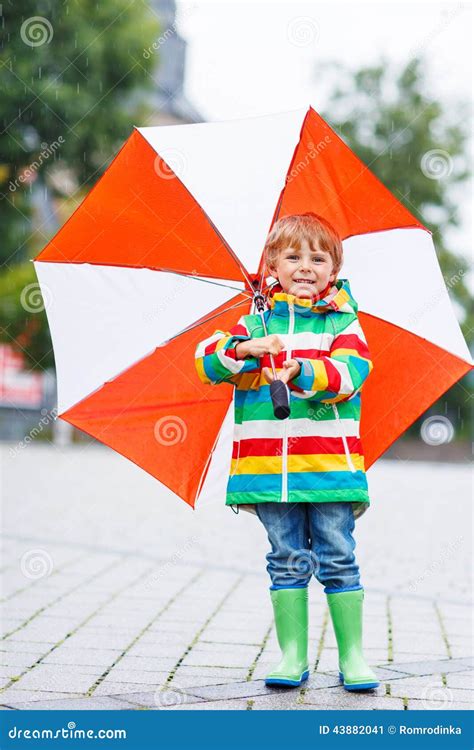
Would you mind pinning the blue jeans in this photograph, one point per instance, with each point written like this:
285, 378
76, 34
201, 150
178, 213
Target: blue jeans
310, 539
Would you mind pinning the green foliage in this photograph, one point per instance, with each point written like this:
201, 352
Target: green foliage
70, 72
23, 316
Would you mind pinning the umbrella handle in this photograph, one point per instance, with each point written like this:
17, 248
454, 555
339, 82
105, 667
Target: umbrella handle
279, 391
280, 394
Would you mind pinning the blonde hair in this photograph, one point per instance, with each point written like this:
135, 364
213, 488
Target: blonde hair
291, 230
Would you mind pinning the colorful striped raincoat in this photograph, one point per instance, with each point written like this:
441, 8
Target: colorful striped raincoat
316, 454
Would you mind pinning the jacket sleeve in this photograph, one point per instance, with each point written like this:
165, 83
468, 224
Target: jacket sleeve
215, 356
341, 374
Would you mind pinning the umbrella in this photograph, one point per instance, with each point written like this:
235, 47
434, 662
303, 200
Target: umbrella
167, 248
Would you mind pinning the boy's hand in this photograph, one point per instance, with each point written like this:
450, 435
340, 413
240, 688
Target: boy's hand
291, 368
257, 347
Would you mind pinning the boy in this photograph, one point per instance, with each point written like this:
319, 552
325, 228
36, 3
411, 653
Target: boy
304, 476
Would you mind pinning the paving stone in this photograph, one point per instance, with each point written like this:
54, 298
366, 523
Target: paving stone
70, 680
224, 705
49, 630
9, 624
211, 672
111, 687
338, 698
154, 664
421, 682
18, 660
109, 641
98, 703
245, 689
214, 658
283, 699
146, 664
148, 650
186, 682
461, 680
430, 692
434, 666
17, 695
165, 637
25, 647
82, 656
158, 700
9, 672
319, 681
117, 674
230, 638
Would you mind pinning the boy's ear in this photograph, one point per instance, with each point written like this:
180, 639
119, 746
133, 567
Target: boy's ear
272, 271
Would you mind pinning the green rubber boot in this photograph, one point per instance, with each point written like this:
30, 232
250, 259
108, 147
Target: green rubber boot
290, 608
345, 608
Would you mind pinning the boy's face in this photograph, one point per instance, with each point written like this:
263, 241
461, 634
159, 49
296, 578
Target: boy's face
303, 272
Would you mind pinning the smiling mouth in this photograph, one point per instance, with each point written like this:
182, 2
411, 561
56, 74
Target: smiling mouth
304, 281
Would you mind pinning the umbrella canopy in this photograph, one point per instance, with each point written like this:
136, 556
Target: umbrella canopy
167, 248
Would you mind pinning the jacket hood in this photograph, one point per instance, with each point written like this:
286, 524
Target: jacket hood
337, 299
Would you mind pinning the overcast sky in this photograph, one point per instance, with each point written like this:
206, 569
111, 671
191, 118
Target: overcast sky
248, 58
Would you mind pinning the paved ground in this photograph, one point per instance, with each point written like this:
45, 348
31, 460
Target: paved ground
119, 596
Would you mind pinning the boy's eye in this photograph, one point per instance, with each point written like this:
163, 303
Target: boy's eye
318, 260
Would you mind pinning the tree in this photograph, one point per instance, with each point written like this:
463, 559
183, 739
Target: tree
69, 72
417, 148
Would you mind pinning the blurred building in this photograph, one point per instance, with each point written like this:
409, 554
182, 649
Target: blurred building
169, 101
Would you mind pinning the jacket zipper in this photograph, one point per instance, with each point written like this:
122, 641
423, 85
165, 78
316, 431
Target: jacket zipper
344, 440
284, 472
